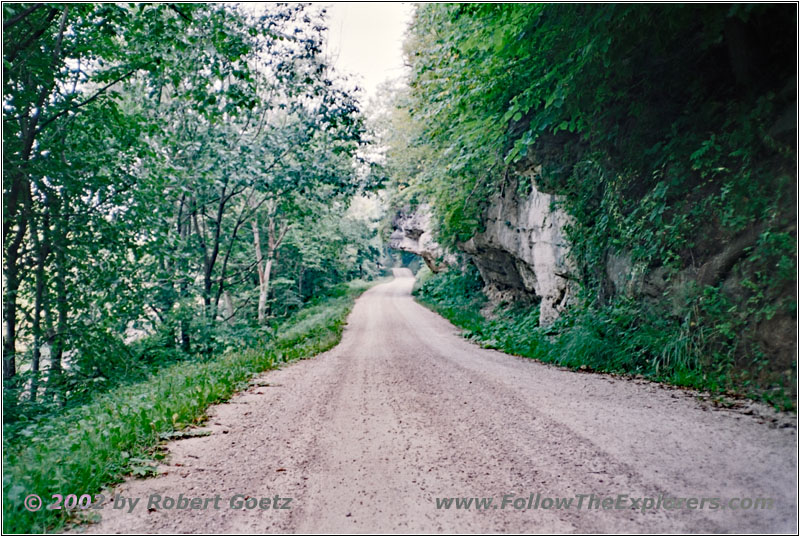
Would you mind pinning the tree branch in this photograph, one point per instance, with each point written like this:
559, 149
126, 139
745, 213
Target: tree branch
97, 94
18, 17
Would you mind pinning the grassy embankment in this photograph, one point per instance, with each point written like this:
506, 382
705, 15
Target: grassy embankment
118, 433
610, 341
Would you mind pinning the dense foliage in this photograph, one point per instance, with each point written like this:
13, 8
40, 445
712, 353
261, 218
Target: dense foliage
91, 446
669, 130
587, 339
177, 180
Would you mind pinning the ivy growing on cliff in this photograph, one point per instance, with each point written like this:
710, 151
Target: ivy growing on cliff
668, 129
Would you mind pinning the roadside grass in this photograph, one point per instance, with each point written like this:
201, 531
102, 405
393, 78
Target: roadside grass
118, 433
617, 339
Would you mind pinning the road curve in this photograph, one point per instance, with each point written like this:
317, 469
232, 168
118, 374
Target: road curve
366, 436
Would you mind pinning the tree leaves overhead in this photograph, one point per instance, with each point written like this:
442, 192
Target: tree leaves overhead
495, 87
140, 142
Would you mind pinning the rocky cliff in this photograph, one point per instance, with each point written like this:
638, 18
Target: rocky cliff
523, 252
523, 256
412, 232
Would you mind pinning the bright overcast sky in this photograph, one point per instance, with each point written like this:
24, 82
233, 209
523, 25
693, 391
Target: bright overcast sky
365, 39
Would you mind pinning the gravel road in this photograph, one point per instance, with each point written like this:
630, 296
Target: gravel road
365, 437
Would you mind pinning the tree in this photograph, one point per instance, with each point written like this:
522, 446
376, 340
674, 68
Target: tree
142, 142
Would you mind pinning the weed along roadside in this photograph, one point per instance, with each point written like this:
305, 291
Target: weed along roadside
573, 341
379, 434
117, 434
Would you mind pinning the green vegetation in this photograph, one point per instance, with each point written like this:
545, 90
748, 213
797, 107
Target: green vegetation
181, 181
669, 132
92, 446
612, 341
178, 180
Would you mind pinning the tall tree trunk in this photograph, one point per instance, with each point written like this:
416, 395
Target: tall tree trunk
186, 337
62, 305
263, 292
275, 237
184, 231
10, 302
42, 247
263, 275
301, 272
227, 303
20, 192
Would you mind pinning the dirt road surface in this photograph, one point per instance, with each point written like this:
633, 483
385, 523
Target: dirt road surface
365, 437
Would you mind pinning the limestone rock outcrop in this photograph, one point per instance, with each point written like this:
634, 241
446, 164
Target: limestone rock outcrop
412, 231
523, 251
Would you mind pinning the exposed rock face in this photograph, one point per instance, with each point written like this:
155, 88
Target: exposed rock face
413, 232
523, 251
634, 279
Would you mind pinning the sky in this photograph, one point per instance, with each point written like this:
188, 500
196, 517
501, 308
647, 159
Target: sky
365, 39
